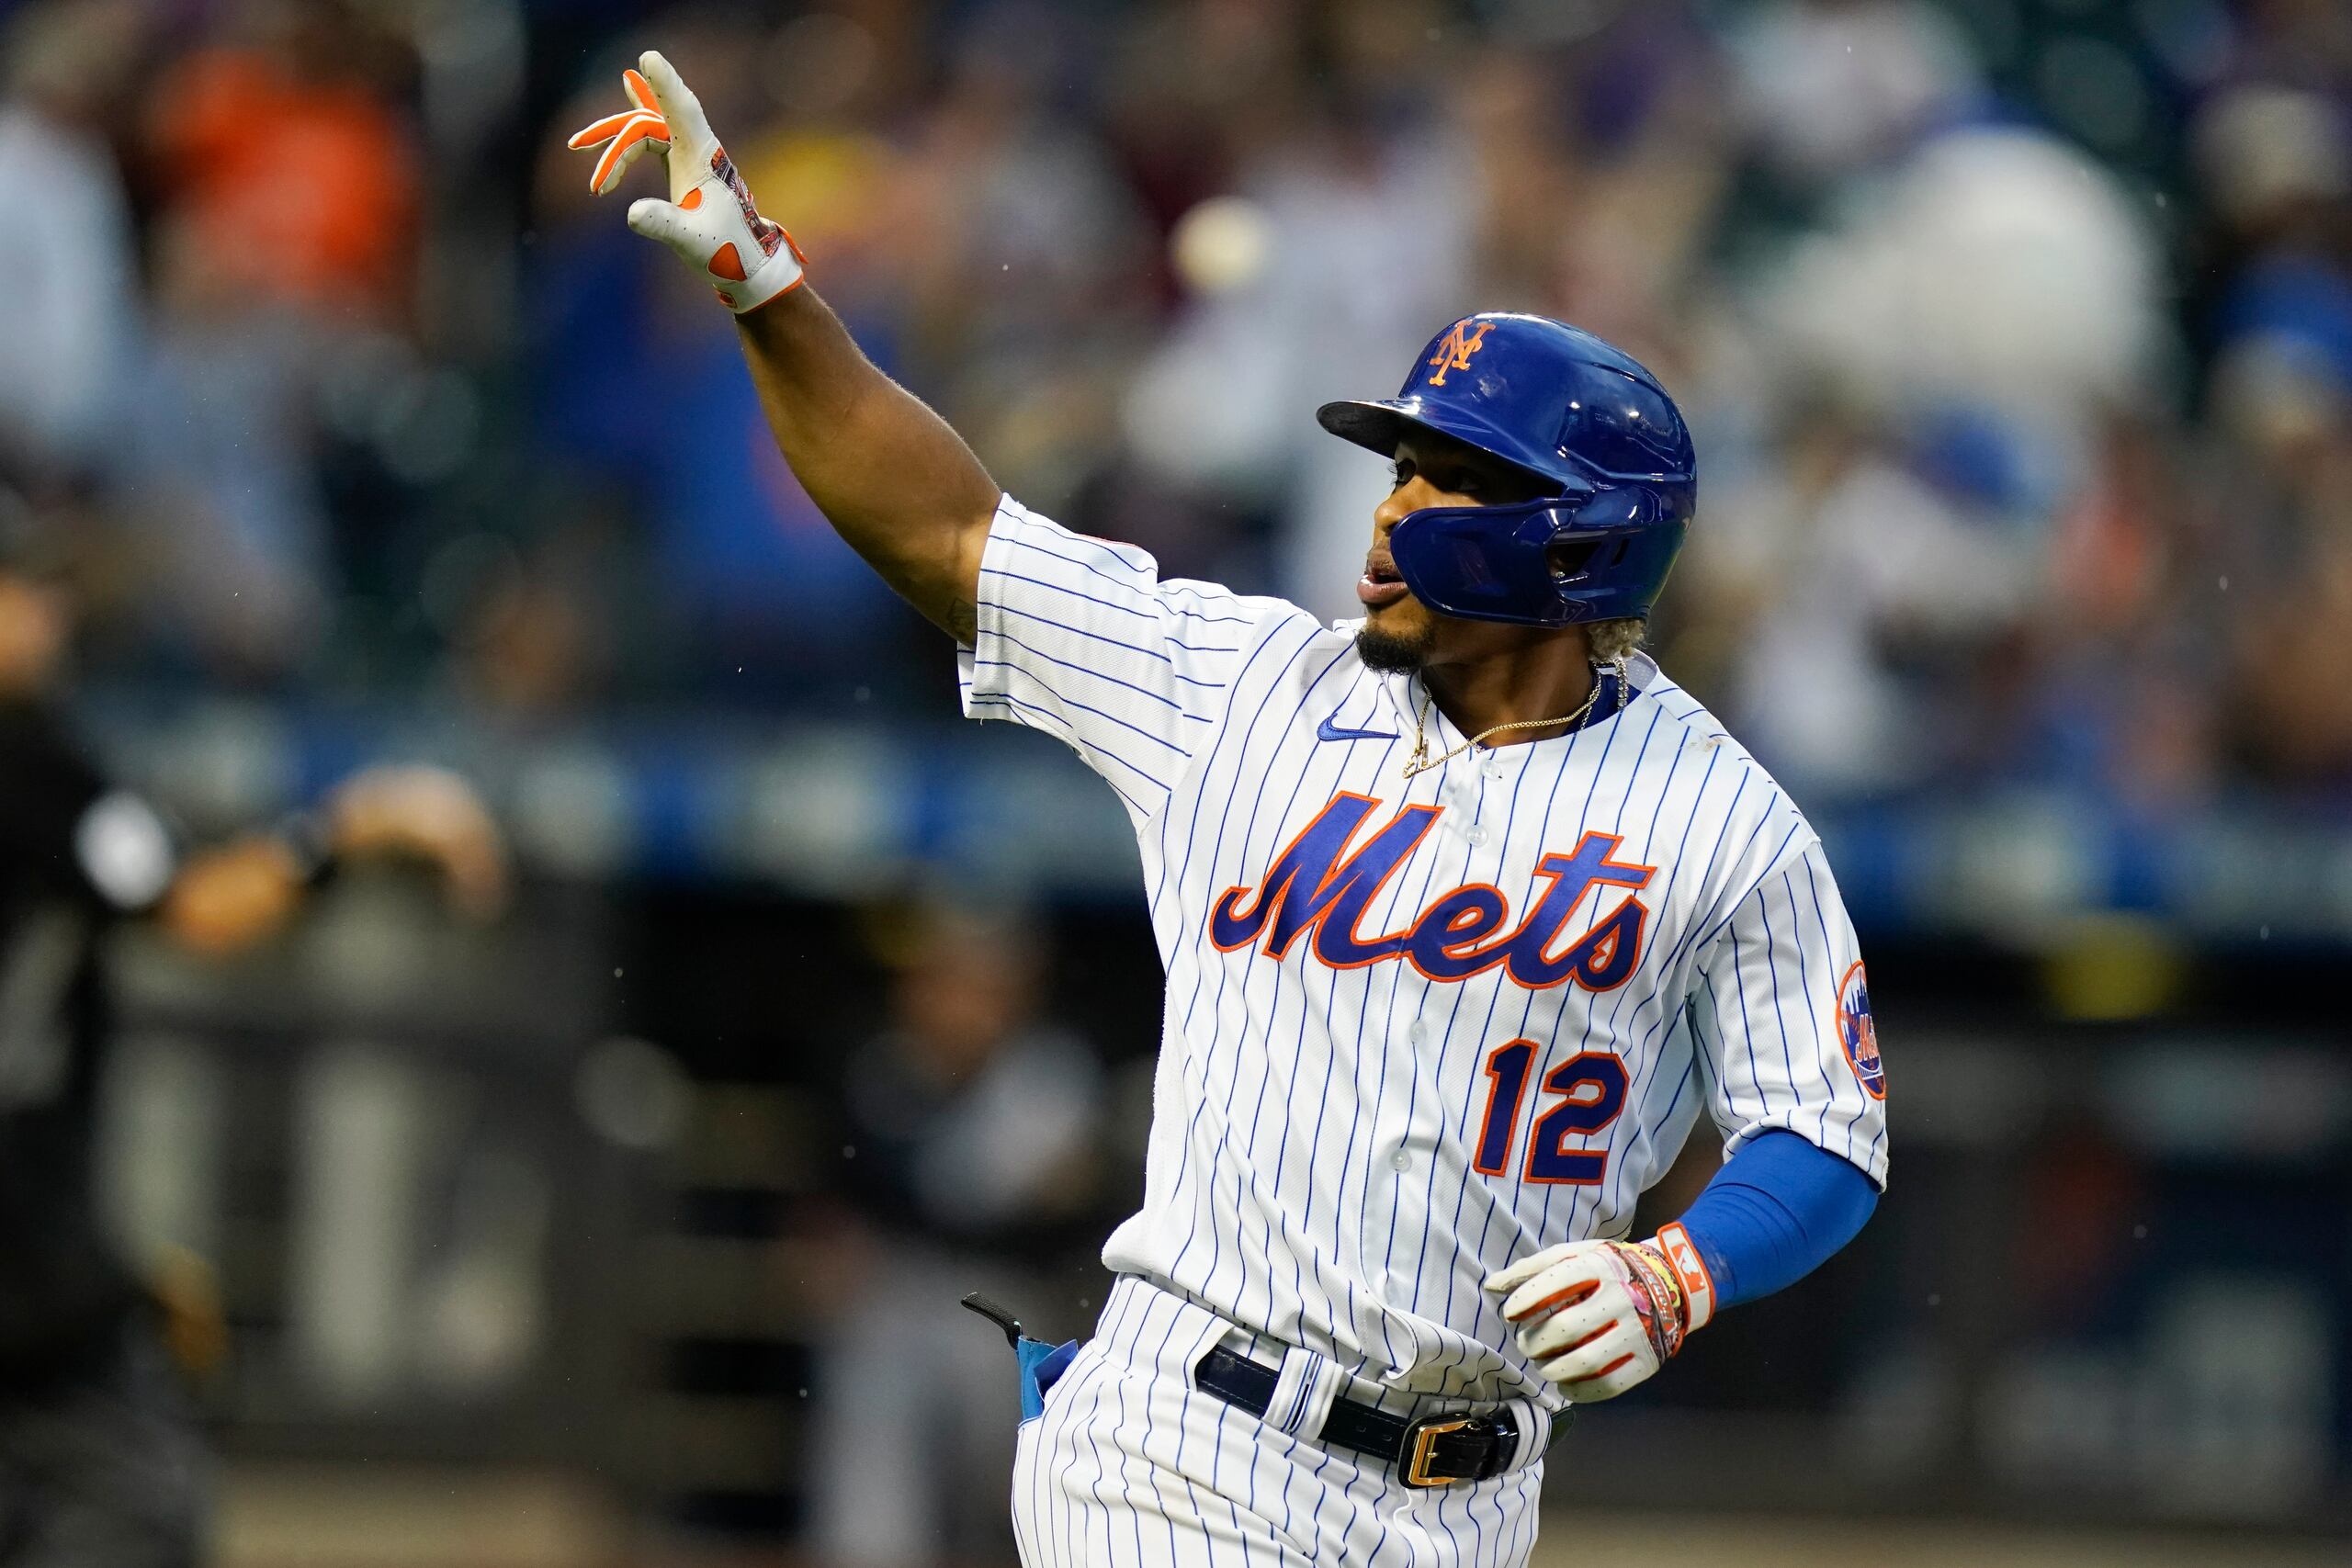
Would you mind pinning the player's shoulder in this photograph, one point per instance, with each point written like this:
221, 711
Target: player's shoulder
1021, 533
1685, 719
1731, 784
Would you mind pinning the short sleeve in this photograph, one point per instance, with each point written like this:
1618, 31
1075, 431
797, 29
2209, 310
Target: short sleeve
1780, 1018
1079, 638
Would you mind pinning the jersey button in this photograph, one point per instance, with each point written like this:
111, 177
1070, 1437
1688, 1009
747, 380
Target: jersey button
1476, 834
1418, 1033
1400, 1161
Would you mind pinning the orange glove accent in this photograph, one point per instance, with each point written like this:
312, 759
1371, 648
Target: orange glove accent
710, 220
628, 133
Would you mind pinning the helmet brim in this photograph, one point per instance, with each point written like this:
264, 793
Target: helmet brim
1379, 426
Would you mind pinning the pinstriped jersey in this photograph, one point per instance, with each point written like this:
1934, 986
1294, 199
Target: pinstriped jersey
1415, 1029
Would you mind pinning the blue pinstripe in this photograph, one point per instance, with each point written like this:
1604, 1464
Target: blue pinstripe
1145, 691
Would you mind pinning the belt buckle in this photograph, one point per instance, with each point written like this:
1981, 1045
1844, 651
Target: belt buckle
1422, 1444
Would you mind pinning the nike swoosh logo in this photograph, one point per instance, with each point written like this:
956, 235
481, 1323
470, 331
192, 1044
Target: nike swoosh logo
1330, 730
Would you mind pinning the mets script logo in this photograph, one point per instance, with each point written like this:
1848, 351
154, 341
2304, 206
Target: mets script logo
1858, 1034
1316, 890
1454, 349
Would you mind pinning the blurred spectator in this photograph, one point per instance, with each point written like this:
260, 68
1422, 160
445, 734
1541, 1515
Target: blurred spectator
1365, 252
1837, 87
1859, 581
284, 163
2287, 563
69, 318
2305, 42
1979, 405
1998, 268
971, 1146
284, 237
1948, 357
1027, 297
100, 1458
2272, 159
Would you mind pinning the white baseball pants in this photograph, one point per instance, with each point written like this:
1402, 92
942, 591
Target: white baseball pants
1131, 1465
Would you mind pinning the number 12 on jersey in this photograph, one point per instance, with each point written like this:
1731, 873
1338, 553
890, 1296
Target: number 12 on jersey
1586, 1092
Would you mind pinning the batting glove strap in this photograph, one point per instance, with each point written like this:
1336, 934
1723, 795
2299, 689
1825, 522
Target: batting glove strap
1689, 1267
709, 219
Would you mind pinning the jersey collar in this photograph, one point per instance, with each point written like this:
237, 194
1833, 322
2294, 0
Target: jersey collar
1407, 692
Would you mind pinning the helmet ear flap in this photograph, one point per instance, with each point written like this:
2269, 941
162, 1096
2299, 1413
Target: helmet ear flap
1534, 563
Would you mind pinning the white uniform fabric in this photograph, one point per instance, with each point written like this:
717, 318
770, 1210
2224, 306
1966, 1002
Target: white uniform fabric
1130, 1464
1432, 1047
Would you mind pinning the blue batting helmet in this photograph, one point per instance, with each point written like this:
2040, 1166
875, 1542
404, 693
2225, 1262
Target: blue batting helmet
1582, 419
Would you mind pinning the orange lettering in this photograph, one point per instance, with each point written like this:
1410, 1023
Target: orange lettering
1454, 351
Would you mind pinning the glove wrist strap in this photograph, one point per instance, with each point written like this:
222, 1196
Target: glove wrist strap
1657, 1289
1680, 1255
779, 274
758, 260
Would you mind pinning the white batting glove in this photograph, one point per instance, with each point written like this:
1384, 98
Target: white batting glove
1596, 1317
710, 219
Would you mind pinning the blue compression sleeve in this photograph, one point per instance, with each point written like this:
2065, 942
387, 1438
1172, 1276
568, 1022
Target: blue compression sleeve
1774, 1214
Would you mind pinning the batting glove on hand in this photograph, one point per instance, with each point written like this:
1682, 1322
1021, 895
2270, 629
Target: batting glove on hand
1596, 1317
710, 219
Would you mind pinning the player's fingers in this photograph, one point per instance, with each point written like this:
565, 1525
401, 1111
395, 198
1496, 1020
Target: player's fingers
1566, 1282
1549, 1291
1526, 1268
642, 131
658, 219
673, 97
1588, 1379
600, 130
640, 91
607, 172
1598, 1315
1592, 1347
1590, 1367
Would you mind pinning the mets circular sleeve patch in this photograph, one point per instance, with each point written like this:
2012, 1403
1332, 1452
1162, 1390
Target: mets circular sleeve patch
1858, 1034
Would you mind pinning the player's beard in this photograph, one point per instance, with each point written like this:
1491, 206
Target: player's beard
1392, 653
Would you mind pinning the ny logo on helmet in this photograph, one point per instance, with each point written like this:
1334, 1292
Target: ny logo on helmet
1454, 349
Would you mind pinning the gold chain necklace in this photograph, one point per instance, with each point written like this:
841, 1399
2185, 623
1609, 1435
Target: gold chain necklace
1420, 761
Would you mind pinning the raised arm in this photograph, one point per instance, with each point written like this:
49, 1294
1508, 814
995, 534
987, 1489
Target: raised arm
890, 476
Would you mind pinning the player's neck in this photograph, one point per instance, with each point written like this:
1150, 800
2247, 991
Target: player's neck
1550, 681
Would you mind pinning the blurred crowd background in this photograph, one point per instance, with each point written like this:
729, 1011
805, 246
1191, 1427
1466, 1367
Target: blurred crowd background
604, 1193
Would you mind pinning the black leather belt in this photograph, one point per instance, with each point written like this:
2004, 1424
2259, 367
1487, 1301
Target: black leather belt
1435, 1450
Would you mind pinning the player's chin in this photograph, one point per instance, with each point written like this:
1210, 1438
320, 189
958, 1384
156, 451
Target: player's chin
1393, 642
1396, 637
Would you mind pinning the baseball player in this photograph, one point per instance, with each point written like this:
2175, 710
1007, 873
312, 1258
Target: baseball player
1467, 911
